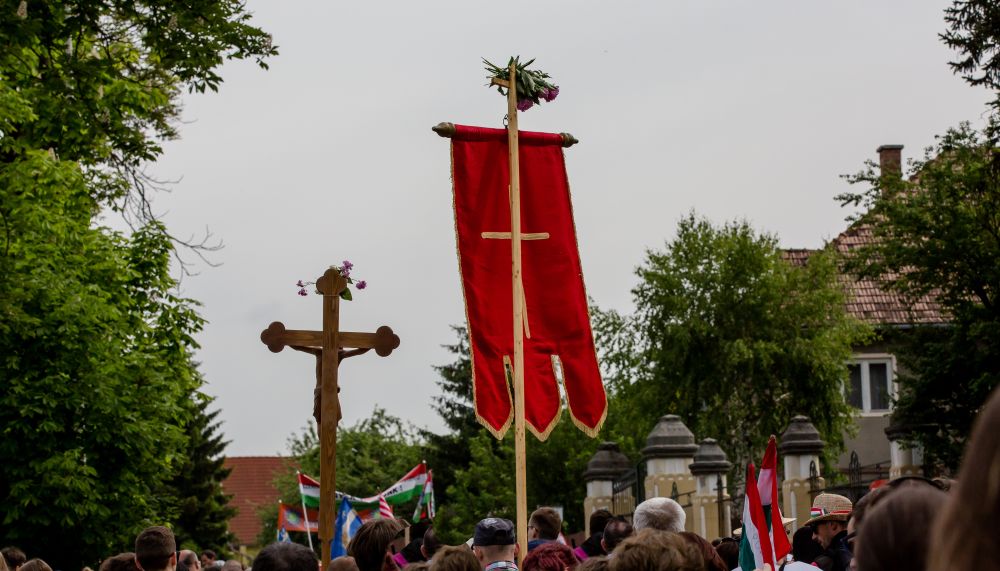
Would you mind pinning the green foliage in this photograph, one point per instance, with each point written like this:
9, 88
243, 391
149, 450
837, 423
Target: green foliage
96, 359
483, 488
937, 233
203, 508
371, 456
732, 338
974, 31
103, 79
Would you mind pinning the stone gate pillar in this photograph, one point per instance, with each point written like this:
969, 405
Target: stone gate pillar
800, 447
709, 503
906, 460
669, 451
607, 464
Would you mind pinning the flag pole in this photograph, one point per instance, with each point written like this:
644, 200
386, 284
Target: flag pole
520, 465
305, 512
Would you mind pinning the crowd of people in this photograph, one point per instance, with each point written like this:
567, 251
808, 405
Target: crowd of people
912, 523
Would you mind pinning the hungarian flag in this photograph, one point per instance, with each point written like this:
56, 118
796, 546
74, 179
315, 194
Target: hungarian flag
425, 505
558, 343
755, 545
309, 489
291, 519
767, 487
406, 489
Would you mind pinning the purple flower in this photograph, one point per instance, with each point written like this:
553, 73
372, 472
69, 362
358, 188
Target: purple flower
524, 104
361, 284
303, 292
550, 94
346, 272
300, 283
348, 265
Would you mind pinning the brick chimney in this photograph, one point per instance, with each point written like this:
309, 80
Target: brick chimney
890, 159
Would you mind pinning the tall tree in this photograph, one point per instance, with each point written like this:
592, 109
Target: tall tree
731, 337
974, 31
937, 234
202, 520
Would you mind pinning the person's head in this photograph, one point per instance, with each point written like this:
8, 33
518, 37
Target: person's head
615, 532
458, 558
708, 554
208, 558
155, 549
232, 565
804, 547
544, 523
895, 533
285, 557
663, 514
728, 549
599, 520
14, 557
654, 550
552, 556
370, 545
425, 566
494, 540
962, 536
190, 558
35, 564
345, 563
120, 562
599, 563
829, 517
430, 544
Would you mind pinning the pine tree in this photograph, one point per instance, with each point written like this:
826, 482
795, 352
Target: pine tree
203, 507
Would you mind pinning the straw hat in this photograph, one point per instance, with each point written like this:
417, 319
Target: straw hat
830, 507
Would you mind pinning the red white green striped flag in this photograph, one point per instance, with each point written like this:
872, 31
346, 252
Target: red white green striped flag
755, 545
767, 487
384, 509
309, 489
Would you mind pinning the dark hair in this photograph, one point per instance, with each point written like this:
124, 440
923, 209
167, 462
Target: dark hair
547, 522
655, 550
153, 548
371, 542
343, 563
285, 557
599, 520
188, 557
458, 558
233, 565
712, 560
430, 543
729, 550
551, 556
120, 562
210, 554
894, 534
35, 564
615, 532
804, 547
14, 556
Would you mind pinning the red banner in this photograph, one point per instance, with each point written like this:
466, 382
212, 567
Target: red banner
555, 300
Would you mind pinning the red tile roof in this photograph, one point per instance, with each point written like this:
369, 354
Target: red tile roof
251, 483
865, 299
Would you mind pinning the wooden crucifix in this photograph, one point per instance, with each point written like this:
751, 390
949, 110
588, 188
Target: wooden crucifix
330, 346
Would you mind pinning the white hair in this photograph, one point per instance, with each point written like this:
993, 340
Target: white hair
663, 514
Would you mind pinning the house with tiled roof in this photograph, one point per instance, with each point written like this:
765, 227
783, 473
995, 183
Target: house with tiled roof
873, 369
251, 485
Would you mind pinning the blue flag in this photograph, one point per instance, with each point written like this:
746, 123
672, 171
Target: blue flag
283, 536
347, 525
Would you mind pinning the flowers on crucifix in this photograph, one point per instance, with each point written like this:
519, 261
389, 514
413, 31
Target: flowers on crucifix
533, 85
344, 270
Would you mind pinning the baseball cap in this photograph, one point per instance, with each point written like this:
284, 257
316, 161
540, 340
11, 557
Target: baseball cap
494, 531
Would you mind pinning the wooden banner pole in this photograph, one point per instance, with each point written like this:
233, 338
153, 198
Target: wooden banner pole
520, 465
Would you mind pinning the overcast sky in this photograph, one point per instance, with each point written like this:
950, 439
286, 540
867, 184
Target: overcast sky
733, 109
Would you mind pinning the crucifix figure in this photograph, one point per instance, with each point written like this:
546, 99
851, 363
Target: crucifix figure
330, 346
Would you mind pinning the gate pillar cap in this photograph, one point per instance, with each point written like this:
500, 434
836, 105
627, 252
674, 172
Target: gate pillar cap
607, 463
710, 459
801, 439
670, 438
